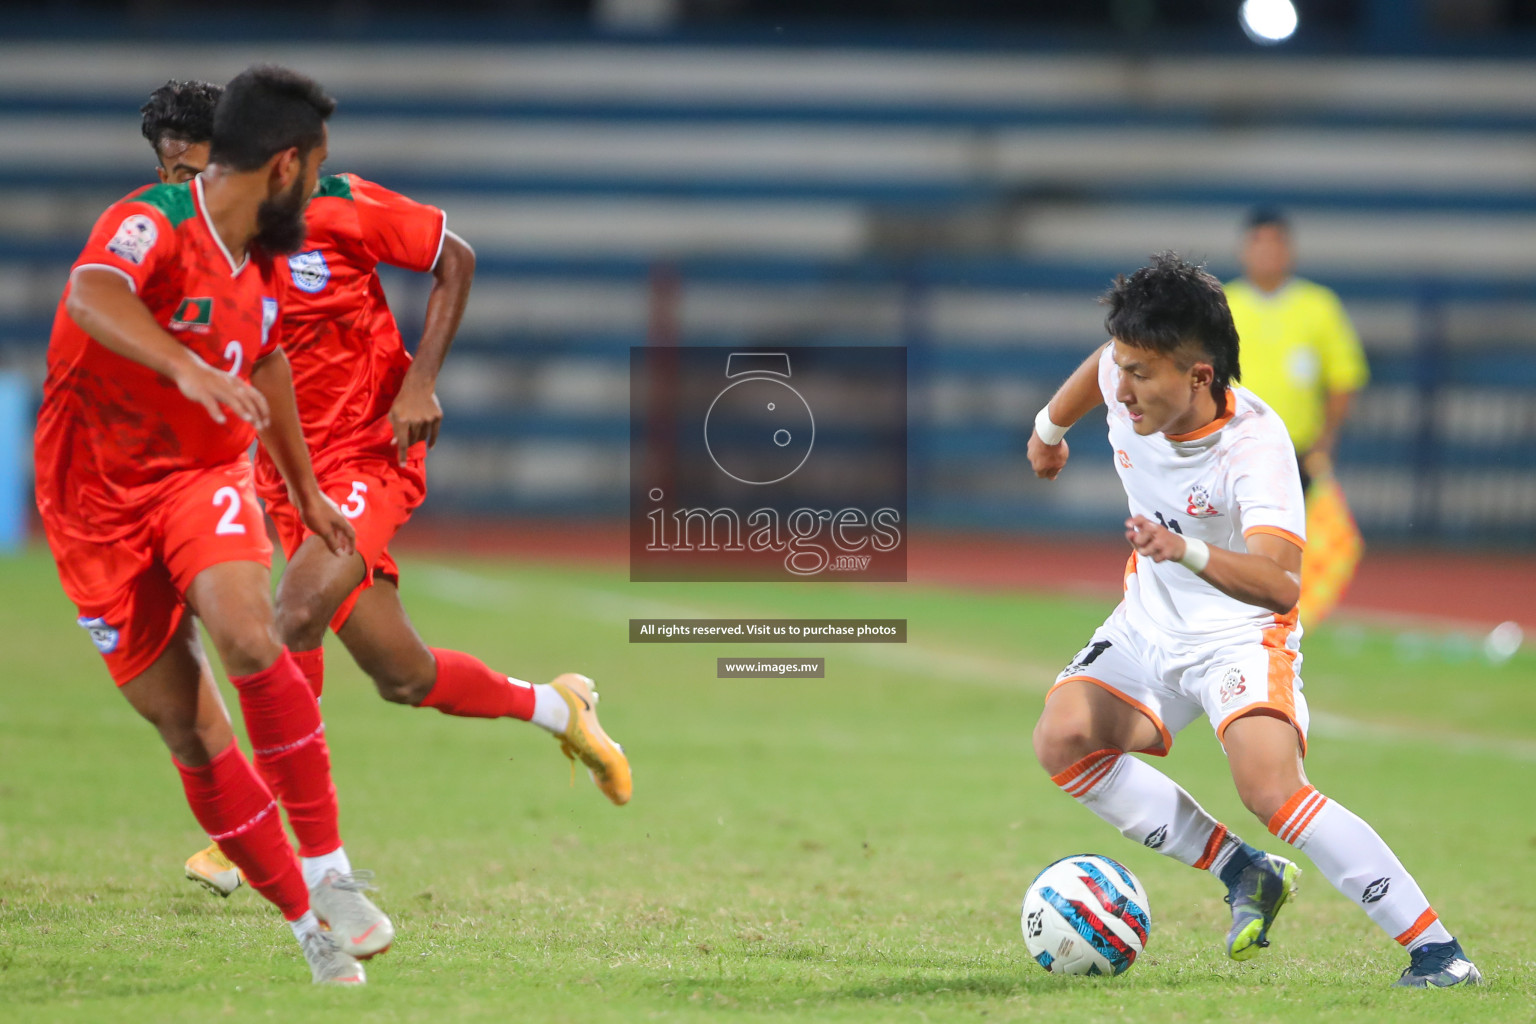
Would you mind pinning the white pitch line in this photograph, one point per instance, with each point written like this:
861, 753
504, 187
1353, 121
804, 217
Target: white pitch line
470, 590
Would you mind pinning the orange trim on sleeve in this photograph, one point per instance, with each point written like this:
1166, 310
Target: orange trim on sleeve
1066, 776
1085, 785
1288, 714
1211, 846
1133, 702
1213, 426
1288, 808
1300, 828
1276, 531
1130, 570
1416, 929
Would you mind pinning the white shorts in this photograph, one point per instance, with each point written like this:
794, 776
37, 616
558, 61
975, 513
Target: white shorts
1174, 681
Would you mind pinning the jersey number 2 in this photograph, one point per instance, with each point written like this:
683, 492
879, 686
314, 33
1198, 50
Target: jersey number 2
227, 523
236, 356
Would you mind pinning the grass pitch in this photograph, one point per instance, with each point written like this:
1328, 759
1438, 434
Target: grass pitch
852, 848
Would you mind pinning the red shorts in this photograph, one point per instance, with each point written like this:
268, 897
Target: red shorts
131, 592
378, 496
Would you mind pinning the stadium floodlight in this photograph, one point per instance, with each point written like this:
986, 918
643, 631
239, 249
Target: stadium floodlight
1268, 22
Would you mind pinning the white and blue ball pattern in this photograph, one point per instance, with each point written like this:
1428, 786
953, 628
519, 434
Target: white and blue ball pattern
1086, 915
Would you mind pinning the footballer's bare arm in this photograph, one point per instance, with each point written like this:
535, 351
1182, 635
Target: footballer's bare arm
103, 303
283, 439
1268, 576
416, 414
1073, 400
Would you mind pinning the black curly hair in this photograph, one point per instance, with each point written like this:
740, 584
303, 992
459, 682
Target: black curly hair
182, 111
265, 110
1172, 302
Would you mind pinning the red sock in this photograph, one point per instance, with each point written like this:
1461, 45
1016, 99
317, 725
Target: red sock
288, 738
312, 664
466, 687
238, 813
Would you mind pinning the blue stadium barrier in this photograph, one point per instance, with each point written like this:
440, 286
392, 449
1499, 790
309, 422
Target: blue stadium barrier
15, 460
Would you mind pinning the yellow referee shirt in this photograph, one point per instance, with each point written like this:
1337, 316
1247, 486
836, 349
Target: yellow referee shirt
1297, 348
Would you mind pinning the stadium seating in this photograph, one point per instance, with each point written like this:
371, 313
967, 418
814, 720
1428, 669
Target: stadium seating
968, 205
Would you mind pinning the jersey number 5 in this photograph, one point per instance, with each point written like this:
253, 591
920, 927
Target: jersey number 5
355, 502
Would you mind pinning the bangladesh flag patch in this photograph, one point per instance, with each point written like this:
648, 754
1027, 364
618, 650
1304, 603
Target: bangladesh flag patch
193, 314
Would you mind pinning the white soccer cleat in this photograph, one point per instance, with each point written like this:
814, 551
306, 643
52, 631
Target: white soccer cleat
328, 965
358, 928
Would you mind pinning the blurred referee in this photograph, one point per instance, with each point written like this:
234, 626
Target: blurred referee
1301, 355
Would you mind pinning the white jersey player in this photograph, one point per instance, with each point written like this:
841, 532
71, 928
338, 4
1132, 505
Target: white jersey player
1208, 624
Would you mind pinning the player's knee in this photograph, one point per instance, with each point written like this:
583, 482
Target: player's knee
399, 685
1263, 799
401, 680
301, 621
182, 736
248, 647
1063, 739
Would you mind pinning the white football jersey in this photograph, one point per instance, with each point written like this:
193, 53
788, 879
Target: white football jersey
1223, 483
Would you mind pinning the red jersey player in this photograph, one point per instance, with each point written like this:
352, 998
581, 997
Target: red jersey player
369, 414
163, 365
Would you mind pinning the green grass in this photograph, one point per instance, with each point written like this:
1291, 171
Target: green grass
851, 848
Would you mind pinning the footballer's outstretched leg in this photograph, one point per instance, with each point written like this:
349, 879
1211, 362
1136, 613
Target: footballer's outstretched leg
1150, 808
1265, 756
385, 644
178, 695
287, 736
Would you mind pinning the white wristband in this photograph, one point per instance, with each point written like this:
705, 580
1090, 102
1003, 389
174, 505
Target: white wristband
1049, 432
1197, 554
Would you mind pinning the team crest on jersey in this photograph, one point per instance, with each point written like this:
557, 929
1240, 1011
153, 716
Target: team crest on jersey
310, 271
136, 235
1200, 504
1233, 685
194, 314
105, 637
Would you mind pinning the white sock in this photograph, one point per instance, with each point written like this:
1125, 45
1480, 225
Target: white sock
314, 868
1145, 805
1360, 865
304, 925
550, 711
1226, 847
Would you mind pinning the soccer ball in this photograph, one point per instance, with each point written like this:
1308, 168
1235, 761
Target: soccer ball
1086, 915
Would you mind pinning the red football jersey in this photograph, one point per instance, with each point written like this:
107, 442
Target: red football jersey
111, 430
347, 355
